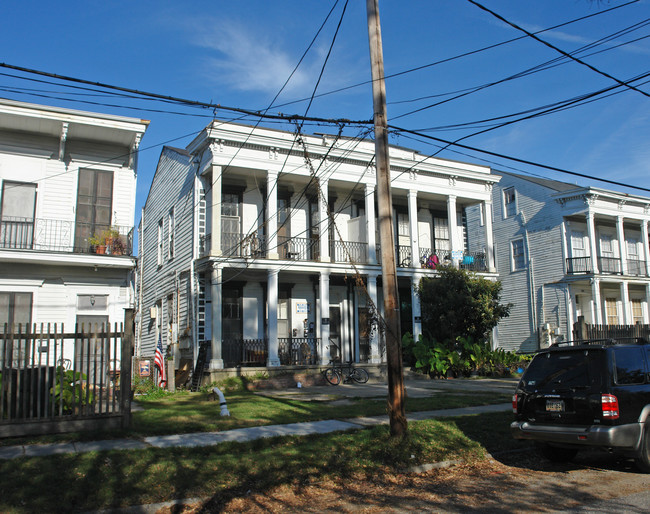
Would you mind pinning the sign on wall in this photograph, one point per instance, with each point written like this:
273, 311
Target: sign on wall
145, 368
302, 308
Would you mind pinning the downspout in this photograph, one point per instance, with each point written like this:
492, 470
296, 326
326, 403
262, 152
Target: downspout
530, 273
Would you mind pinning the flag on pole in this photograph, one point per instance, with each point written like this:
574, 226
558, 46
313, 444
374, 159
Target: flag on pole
159, 362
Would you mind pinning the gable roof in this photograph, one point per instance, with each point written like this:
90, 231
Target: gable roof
556, 185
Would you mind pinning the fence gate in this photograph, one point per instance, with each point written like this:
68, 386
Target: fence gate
57, 381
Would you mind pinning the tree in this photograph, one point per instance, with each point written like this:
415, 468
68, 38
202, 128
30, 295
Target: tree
458, 303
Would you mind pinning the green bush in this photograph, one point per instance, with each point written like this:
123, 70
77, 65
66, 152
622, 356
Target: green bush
70, 390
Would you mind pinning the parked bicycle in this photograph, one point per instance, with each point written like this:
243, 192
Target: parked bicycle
335, 373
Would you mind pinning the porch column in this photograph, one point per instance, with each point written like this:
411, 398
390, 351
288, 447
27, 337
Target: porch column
371, 224
415, 307
646, 246
451, 220
215, 208
489, 236
413, 228
272, 300
646, 305
216, 362
593, 247
620, 234
375, 355
272, 214
323, 224
570, 311
625, 301
596, 305
324, 292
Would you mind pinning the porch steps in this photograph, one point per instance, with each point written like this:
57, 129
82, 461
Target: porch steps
197, 374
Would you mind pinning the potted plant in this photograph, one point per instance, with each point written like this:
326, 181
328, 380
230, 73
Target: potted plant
114, 242
97, 243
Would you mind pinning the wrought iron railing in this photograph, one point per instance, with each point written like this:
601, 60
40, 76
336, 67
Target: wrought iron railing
637, 268
474, 261
298, 350
364, 349
609, 265
298, 248
244, 352
350, 251
404, 259
67, 236
577, 265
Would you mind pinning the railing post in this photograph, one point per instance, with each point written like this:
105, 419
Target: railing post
125, 367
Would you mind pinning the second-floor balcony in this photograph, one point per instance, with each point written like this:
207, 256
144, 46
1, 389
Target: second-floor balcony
606, 266
637, 268
64, 236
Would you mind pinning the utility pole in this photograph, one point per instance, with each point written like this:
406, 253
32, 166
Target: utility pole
391, 330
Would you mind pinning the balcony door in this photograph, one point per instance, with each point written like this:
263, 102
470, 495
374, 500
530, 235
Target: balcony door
94, 206
230, 223
17, 215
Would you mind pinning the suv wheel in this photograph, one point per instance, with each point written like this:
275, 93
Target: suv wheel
555, 454
643, 461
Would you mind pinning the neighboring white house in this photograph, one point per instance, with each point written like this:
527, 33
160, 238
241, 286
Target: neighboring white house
237, 246
564, 251
66, 176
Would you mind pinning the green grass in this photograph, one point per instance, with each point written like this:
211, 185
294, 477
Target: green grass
83, 482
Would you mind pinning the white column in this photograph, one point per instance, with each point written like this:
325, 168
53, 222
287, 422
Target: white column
597, 307
371, 224
272, 302
620, 235
215, 209
593, 243
415, 307
324, 291
375, 356
565, 247
272, 214
646, 305
646, 246
216, 362
570, 312
413, 228
489, 236
625, 303
323, 224
453, 228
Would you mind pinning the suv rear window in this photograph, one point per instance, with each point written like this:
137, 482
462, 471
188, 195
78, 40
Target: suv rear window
553, 369
630, 365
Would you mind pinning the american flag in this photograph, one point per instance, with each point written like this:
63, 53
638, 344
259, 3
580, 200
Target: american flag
159, 362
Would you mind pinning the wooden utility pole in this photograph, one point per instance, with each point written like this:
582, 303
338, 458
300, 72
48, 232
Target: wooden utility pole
391, 330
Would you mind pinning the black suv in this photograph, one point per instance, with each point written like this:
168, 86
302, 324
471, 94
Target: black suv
593, 394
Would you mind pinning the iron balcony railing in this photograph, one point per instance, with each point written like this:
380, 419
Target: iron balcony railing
245, 352
350, 251
298, 350
637, 268
298, 248
474, 261
578, 265
49, 235
609, 265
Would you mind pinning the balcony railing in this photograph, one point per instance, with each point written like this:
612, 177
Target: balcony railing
298, 350
474, 261
244, 352
298, 248
350, 251
637, 268
578, 265
48, 235
609, 265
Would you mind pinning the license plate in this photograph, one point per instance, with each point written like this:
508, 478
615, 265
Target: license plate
554, 405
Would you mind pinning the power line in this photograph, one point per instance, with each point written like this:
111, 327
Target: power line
530, 34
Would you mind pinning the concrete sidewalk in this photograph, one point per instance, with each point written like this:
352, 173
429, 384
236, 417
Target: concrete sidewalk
237, 435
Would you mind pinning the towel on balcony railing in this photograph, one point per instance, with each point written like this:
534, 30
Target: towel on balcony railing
432, 262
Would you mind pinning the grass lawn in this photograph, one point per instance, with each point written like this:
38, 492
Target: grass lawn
66, 483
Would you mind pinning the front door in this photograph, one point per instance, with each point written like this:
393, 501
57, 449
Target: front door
92, 354
94, 206
336, 348
17, 215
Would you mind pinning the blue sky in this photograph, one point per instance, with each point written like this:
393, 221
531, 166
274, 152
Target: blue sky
240, 54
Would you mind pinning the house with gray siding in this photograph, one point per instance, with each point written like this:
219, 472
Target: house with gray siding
564, 251
261, 248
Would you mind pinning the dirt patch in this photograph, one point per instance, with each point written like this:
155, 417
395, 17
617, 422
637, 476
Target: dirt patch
489, 486
287, 381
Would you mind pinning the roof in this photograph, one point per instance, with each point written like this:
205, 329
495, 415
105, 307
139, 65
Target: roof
556, 185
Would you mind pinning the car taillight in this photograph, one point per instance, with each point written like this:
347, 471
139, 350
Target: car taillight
610, 406
514, 403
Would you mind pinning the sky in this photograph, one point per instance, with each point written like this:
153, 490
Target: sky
240, 54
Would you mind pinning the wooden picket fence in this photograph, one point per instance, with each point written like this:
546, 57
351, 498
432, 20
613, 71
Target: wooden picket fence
583, 331
57, 381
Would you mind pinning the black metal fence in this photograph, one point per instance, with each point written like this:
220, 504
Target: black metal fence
298, 351
55, 381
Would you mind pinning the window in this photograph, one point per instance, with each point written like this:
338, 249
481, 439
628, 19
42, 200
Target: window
611, 311
637, 311
606, 247
632, 250
17, 213
94, 206
170, 235
160, 243
441, 234
578, 244
509, 202
518, 258
630, 365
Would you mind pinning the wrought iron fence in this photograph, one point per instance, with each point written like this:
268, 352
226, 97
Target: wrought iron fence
244, 352
637, 268
298, 248
54, 381
609, 265
298, 350
404, 257
350, 251
364, 349
475, 261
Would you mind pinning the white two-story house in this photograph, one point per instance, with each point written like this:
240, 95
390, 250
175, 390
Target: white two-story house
264, 245
67, 201
564, 251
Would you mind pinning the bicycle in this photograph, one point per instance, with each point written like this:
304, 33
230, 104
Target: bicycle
335, 373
